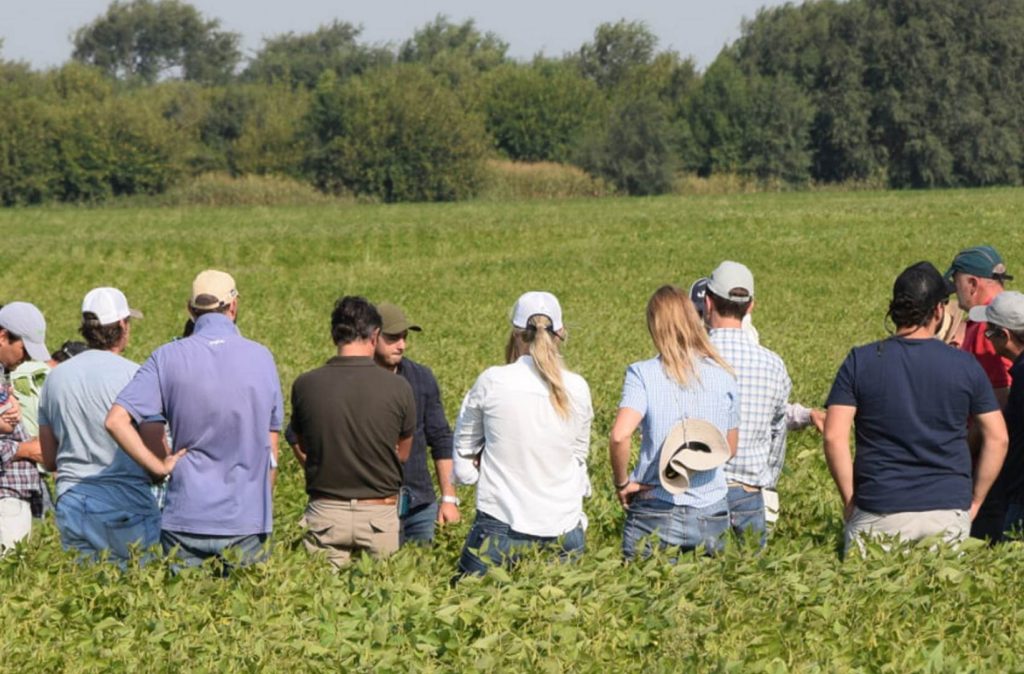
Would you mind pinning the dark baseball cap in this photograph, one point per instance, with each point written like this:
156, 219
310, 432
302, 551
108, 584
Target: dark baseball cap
981, 261
393, 320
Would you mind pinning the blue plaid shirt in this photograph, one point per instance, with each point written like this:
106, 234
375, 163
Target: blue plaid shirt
714, 397
764, 390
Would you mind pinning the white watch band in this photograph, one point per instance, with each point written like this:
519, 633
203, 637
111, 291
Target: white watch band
454, 500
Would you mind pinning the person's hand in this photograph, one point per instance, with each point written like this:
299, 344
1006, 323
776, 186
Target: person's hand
848, 510
626, 493
818, 419
169, 462
448, 513
30, 450
11, 417
975, 506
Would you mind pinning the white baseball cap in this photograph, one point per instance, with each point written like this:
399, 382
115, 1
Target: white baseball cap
537, 302
729, 277
26, 321
109, 304
1006, 311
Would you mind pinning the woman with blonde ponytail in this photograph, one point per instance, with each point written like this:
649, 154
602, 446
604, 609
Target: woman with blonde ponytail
523, 436
687, 380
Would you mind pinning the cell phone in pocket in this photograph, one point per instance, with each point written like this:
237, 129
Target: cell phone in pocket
403, 501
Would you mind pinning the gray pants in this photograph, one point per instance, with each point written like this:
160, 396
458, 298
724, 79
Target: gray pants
952, 525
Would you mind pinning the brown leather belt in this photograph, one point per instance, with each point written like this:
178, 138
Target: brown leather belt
387, 500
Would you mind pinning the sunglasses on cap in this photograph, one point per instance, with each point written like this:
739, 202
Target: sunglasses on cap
994, 331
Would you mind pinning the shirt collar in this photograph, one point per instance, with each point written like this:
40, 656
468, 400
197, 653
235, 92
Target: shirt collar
352, 361
736, 333
215, 324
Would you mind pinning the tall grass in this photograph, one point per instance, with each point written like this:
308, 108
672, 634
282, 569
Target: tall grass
824, 264
511, 180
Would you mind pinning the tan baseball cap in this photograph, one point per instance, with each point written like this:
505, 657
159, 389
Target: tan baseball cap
212, 289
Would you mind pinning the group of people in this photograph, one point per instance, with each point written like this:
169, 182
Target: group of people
201, 417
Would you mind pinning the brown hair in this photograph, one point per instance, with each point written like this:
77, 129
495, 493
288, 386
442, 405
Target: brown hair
541, 343
98, 336
678, 334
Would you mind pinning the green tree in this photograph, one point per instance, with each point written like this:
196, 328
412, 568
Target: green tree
456, 51
634, 148
538, 112
300, 59
149, 39
397, 134
617, 49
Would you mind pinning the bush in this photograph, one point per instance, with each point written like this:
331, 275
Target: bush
395, 134
636, 148
537, 113
508, 180
221, 189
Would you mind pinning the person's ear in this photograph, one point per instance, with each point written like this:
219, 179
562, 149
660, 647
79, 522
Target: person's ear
750, 306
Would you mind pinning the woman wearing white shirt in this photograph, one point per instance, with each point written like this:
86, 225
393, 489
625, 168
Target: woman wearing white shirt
522, 436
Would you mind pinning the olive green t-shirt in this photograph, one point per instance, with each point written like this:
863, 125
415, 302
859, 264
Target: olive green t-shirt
350, 414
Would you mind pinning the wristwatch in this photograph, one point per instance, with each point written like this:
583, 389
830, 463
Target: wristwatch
454, 500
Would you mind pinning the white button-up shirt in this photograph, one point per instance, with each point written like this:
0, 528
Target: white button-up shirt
533, 463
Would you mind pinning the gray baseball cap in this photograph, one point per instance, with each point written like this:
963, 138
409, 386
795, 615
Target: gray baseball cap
27, 322
1006, 311
732, 281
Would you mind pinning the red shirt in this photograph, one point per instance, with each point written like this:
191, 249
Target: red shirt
996, 367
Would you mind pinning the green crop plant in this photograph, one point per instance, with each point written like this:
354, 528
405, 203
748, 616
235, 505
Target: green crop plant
824, 265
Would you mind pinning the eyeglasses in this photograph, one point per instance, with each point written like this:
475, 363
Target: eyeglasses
994, 331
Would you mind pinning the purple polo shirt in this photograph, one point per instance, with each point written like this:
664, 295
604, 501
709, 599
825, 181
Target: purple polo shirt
221, 395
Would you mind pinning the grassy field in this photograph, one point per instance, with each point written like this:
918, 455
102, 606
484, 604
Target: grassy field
824, 265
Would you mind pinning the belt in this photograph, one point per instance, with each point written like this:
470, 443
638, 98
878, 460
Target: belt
387, 500
750, 489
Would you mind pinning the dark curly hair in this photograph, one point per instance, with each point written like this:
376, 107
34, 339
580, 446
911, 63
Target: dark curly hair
916, 293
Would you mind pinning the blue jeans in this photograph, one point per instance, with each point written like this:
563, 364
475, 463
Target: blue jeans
418, 525
231, 551
746, 513
491, 542
90, 525
674, 526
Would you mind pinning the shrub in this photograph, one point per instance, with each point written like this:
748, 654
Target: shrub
395, 134
221, 189
540, 180
635, 149
536, 113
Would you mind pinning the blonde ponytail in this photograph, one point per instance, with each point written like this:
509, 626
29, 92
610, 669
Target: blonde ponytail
541, 343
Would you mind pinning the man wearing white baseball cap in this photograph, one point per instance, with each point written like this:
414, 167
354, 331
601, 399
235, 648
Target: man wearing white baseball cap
103, 498
764, 391
1004, 316
22, 336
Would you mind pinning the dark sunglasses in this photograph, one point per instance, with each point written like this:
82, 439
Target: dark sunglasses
995, 331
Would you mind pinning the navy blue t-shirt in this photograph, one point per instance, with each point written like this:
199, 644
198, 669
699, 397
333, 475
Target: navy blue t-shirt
913, 399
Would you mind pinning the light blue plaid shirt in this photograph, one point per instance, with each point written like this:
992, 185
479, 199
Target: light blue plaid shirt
714, 397
764, 390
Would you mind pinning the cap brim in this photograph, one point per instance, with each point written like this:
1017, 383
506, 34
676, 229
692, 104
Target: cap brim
978, 314
36, 351
135, 313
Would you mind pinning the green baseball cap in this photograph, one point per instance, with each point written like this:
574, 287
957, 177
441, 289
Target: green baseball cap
981, 261
393, 320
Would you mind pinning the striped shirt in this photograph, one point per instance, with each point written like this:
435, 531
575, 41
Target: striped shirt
713, 395
764, 390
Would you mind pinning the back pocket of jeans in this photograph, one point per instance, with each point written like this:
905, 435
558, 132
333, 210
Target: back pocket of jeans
126, 530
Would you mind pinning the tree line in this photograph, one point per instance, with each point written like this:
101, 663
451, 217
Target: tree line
891, 93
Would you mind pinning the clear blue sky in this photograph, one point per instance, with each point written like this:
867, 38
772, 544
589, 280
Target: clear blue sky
38, 31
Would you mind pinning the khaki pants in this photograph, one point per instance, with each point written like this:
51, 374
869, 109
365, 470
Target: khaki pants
15, 522
953, 525
342, 528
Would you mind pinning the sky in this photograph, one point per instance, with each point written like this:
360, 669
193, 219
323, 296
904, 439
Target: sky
38, 31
